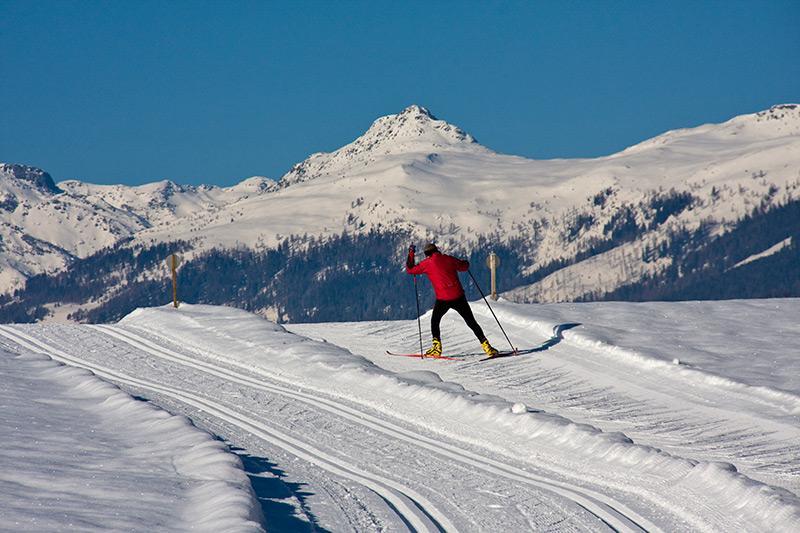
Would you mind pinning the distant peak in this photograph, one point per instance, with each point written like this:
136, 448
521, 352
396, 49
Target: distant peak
37, 177
784, 107
413, 130
781, 111
414, 123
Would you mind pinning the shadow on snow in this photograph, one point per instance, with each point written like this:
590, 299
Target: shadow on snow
558, 336
272, 489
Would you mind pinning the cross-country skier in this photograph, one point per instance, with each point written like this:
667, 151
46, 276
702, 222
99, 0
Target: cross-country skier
442, 270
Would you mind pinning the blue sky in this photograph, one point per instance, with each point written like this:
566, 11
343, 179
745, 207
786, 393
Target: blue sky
213, 92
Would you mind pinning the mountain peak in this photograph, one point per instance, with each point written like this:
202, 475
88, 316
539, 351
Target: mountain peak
36, 177
414, 110
415, 124
415, 130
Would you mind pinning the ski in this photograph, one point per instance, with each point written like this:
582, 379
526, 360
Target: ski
509, 353
502, 354
422, 356
462, 356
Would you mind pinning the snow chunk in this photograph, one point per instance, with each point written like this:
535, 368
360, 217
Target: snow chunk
420, 376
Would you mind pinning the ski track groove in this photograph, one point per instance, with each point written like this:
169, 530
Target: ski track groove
413, 509
613, 514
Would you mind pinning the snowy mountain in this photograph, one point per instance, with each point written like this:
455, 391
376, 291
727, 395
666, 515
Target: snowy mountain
414, 130
164, 201
44, 226
413, 172
570, 228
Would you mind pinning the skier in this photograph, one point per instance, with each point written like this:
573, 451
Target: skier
441, 270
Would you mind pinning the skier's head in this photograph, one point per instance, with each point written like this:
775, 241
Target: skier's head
430, 249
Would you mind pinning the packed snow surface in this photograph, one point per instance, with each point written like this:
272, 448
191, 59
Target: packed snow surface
596, 428
732, 398
747, 342
78, 454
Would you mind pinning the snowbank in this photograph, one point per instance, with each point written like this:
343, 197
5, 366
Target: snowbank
685, 486
83, 455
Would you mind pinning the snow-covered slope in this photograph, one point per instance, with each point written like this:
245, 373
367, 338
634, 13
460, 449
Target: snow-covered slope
164, 201
42, 227
715, 381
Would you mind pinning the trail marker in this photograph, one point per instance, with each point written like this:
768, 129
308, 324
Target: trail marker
172, 262
493, 261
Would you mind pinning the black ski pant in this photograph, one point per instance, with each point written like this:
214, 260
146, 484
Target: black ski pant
462, 306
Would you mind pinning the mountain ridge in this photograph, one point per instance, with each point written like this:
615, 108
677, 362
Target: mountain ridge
411, 172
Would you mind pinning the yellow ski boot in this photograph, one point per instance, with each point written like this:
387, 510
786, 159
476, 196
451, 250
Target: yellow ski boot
435, 350
490, 351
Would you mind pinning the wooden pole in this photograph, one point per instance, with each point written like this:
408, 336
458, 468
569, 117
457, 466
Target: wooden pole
493, 262
174, 268
494, 277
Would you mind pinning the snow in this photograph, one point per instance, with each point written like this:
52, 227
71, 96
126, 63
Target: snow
163, 201
598, 428
43, 225
243, 340
752, 344
519, 408
78, 454
775, 248
733, 398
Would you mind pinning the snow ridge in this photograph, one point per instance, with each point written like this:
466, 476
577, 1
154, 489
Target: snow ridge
36, 177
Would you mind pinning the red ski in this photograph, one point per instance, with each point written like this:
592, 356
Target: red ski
422, 356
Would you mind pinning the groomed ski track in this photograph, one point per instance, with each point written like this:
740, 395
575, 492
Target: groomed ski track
600, 385
413, 509
602, 507
669, 405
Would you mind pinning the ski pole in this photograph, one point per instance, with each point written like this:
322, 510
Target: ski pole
492, 310
419, 322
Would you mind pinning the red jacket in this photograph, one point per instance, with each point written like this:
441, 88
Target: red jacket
442, 270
